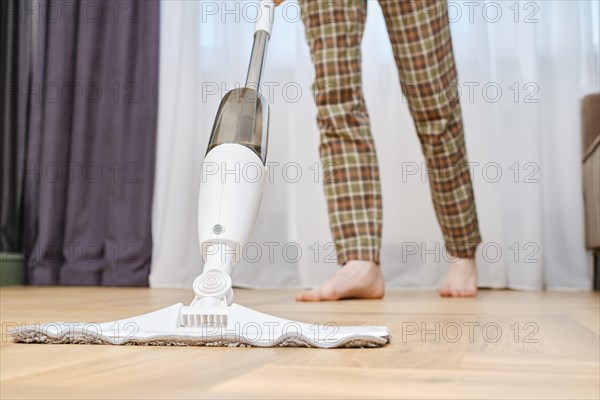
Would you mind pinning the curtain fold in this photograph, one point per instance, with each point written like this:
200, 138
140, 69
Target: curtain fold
91, 143
523, 67
15, 68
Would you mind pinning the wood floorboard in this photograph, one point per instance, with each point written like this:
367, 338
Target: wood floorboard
504, 344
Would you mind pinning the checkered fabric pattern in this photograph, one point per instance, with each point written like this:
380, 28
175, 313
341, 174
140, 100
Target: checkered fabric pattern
422, 46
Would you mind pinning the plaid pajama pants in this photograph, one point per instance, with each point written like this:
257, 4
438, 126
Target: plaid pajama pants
420, 35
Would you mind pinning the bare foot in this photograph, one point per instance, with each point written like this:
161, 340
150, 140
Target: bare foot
356, 279
461, 280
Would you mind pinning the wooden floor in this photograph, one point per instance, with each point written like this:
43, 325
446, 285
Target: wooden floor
504, 344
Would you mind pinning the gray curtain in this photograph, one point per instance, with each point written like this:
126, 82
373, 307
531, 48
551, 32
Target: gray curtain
91, 143
15, 63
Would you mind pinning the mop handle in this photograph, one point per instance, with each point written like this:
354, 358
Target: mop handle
262, 33
265, 16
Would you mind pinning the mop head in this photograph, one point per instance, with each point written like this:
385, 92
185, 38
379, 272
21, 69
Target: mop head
245, 328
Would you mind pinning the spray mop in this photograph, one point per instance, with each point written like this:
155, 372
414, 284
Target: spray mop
228, 205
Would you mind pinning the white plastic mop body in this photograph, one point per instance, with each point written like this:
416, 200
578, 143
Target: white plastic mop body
233, 178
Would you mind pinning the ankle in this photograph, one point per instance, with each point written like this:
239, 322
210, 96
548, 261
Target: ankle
462, 263
361, 264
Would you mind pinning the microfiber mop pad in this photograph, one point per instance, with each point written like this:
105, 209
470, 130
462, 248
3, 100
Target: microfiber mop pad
245, 327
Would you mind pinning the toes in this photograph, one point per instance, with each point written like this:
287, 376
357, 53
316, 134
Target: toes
309, 295
461, 293
445, 289
330, 294
468, 292
302, 296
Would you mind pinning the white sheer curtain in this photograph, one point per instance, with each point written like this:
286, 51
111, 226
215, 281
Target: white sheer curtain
523, 68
